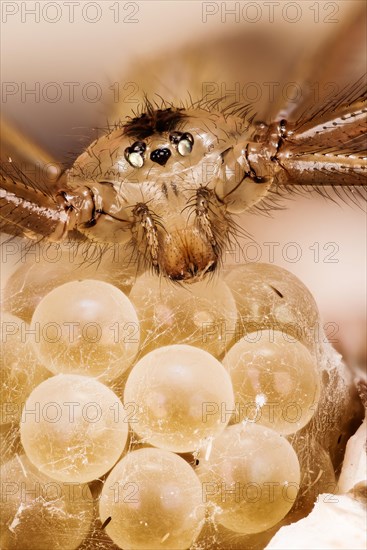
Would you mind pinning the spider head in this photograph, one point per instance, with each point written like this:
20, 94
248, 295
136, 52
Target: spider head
157, 182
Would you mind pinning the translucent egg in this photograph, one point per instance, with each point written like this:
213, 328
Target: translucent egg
270, 297
182, 394
51, 267
153, 500
38, 513
86, 327
201, 314
20, 369
276, 382
73, 428
251, 474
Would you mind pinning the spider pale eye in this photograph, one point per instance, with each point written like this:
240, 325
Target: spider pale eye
135, 154
185, 144
135, 159
184, 147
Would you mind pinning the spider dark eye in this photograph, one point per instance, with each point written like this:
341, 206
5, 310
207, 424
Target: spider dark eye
135, 154
175, 137
160, 156
183, 142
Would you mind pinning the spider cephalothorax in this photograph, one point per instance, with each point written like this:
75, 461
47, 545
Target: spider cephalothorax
157, 182
169, 181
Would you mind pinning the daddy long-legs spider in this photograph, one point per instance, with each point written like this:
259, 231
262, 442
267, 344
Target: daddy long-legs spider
174, 183
210, 69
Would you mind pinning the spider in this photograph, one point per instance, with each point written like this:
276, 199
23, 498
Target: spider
169, 181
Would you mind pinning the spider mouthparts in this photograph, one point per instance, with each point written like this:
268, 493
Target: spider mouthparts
185, 255
193, 273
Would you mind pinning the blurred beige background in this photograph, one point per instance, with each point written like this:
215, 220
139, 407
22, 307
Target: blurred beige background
68, 67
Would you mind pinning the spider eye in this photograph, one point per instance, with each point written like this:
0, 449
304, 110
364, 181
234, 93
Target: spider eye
135, 154
183, 142
175, 137
135, 159
184, 147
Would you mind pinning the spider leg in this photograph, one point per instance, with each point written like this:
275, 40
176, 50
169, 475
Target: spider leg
26, 210
330, 149
322, 144
35, 201
323, 70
